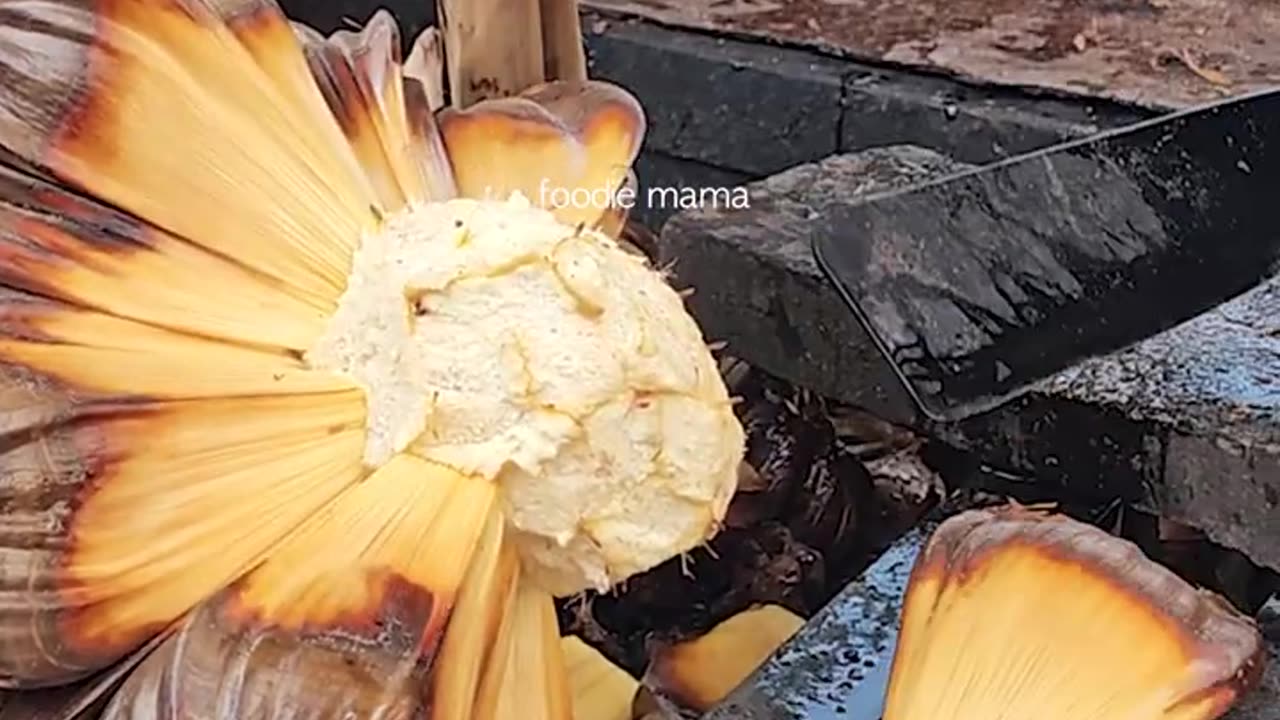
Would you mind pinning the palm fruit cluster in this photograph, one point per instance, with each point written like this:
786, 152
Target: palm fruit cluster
304, 384
312, 402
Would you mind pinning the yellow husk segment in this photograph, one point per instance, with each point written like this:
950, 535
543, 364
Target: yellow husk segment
411, 517
1082, 650
1014, 613
697, 674
525, 678
485, 598
207, 490
185, 86
105, 354
601, 690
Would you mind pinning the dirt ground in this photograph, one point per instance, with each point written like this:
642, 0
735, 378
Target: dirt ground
1159, 53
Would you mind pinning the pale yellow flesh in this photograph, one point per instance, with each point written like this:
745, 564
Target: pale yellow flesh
490, 337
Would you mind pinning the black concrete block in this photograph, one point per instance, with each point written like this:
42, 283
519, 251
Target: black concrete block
752, 108
1188, 422
969, 123
758, 287
758, 108
1185, 424
657, 172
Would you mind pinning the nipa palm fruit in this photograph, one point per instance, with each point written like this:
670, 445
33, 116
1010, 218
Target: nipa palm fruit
1018, 613
317, 381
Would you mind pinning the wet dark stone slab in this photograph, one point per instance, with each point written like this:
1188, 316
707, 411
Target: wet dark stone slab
991, 281
1185, 424
836, 667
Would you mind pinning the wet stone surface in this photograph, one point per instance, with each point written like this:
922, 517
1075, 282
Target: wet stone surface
1192, 415
988, 282
1214, 383
1183, 424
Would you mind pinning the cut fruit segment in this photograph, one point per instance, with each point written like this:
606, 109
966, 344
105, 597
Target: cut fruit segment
696, 675
346, 617
427, 146
270, 38
120, 514
426, 65
183, 184
486, 597
101, 95
63, 246
103, 355
613, 221
601, 690
525, 677
565, 146
360, 76
1012, 612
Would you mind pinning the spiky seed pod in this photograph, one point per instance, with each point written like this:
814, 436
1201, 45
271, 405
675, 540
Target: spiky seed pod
289, 368
1014, 612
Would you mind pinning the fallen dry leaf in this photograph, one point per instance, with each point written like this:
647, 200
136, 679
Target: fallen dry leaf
1188, 60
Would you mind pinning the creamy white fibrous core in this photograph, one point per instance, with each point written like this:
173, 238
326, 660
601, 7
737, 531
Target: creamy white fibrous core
491, 338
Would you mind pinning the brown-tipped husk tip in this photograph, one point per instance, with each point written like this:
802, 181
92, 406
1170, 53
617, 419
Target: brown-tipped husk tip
1055, 617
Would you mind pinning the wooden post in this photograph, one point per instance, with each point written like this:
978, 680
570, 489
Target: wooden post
563, 55
493, 48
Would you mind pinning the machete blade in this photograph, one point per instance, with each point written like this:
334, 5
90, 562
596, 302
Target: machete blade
979, 285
